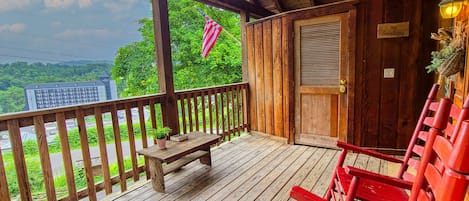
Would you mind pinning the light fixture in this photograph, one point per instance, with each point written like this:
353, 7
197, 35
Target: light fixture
450, 8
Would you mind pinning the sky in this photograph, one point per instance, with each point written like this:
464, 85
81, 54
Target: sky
53, 31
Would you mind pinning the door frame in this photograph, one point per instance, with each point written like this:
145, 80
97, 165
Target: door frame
351, 15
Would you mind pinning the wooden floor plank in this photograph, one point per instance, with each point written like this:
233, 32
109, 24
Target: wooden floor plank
362, 161
183, 185
258, 176
222, 178
282, 179
215, 174
373, 165
264, 183
350, 159
234, 181
253, 168
324, 181
299, 177
313, 177
218, 155
383, 168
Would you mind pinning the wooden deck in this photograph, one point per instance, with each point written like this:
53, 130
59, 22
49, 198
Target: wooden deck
251, 168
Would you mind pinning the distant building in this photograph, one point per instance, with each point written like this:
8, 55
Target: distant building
50, 95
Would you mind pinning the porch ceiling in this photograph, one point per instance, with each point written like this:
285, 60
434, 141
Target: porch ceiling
264, 8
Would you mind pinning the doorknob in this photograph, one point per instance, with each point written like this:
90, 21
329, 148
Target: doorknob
342, 87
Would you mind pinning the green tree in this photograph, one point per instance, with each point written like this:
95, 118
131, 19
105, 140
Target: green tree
135, 68
12, 100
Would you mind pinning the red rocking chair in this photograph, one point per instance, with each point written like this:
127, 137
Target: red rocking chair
341, 181
446, 181
443, 174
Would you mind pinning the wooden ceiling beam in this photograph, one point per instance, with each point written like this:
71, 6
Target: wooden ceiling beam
239, 5
278, 5
313, 3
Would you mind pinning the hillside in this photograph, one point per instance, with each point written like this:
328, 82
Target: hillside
15, 76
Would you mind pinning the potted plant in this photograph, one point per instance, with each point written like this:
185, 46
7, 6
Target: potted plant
160, 135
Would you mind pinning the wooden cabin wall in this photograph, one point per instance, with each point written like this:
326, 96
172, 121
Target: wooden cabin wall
385, 110
462, 78
267, 63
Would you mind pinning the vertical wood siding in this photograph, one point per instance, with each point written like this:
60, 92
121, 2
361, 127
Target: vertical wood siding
384, 110
266, 58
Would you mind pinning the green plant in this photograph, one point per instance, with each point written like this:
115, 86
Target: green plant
160, 133
438, 57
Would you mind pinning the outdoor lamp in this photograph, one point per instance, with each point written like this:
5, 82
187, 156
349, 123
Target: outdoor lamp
450, 8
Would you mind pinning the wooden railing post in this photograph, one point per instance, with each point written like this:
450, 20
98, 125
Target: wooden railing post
165, 67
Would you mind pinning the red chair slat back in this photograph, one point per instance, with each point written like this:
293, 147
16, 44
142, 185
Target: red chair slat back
444, 167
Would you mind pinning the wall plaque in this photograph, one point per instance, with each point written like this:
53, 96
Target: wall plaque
393, 30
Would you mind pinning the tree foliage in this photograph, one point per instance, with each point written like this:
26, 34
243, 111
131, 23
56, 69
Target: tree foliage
135, 67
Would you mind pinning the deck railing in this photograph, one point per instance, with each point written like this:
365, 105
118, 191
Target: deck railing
218, 110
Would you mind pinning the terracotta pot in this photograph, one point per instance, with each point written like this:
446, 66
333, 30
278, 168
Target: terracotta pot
161, 143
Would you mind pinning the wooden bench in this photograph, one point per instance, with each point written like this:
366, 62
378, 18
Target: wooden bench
177, 155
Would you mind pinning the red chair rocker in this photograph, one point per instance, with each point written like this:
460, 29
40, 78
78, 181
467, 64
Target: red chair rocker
443, 174
341, 181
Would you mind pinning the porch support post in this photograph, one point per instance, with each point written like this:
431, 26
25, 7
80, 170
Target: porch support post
244, 17
165, 67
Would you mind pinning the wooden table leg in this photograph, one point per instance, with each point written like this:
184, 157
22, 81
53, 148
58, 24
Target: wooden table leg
207, 160
156, 172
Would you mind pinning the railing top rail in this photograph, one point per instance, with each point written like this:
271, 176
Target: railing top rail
24, 114
198, 90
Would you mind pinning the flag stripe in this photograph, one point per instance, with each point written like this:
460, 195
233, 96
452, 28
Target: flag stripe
211, 32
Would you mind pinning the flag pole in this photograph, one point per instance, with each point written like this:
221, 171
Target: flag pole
224, 30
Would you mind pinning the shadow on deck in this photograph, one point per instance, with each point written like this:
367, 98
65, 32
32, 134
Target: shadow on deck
252, 167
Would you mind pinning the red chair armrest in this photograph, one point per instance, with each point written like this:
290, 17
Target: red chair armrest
301, 194
369, 152
378, 177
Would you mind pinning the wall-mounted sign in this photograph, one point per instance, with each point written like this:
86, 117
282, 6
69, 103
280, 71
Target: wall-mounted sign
393, 30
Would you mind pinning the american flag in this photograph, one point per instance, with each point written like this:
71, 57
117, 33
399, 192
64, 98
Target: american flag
211, 32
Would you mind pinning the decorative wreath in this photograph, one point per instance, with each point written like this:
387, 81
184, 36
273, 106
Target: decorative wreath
450, 59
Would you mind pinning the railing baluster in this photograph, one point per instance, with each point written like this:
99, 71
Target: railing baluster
4, 193
117, 142
153, 116
238, 109
246, 109
183, 113
130, 130
85, 150
228, 129
20, 163
222, 94
152, 113
196, 113
210, 112
45, 157
233, 110
216, 112
141, 118
66, 156
189, 111
204, 122
103, 150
